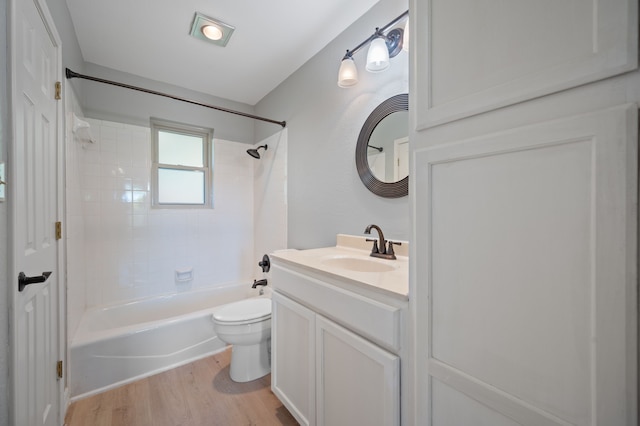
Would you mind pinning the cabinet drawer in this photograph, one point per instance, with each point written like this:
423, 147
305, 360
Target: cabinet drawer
370, 318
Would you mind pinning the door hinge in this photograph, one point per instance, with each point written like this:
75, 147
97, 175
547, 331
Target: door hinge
58, 230
59, 369
58, 94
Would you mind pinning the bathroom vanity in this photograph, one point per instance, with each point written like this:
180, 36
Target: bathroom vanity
339, 333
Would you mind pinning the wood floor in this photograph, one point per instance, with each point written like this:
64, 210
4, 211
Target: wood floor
196, 394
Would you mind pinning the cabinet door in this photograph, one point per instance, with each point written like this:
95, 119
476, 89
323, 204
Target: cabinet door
473, 56
358, 383
526, 283
293, 357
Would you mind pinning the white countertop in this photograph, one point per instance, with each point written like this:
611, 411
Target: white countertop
393, 283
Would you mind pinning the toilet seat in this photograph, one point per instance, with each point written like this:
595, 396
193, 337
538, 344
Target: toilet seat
244, 311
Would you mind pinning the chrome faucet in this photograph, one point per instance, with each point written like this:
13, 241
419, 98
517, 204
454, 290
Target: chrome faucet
380, 248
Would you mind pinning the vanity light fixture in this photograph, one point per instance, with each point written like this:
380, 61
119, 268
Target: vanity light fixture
378, 55
211, 30
383, 45
348, 73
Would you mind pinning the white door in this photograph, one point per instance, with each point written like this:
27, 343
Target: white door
400, 159
35, 202
526, 294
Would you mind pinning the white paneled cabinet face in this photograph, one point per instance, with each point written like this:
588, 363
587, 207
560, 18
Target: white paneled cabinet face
474, 56
324, 373
526, 266
357, 382
293, 358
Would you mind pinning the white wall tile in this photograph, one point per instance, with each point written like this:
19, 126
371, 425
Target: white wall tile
121, 248
76, 183
270, 202
136, 249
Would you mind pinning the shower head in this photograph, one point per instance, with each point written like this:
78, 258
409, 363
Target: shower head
254, 152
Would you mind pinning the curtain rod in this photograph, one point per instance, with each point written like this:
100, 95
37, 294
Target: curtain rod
70, 74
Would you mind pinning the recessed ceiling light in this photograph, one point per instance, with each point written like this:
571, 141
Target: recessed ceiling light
211, 30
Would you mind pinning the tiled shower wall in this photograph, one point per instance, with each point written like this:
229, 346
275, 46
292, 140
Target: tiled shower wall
270, 197
74, 223
134, 250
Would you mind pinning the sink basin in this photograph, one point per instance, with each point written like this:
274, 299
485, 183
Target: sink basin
357, 264
349, 265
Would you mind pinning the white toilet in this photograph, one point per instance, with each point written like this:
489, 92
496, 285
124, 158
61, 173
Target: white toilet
247, 326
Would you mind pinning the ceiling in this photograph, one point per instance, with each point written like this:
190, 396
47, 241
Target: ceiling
151, 39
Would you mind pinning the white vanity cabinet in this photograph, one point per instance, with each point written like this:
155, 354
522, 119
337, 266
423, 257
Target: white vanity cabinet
332, 362
293, 356
357, 382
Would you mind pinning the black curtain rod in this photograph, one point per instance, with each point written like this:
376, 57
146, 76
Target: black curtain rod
70, 74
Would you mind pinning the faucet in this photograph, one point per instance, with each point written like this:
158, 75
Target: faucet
260, 282
380, 245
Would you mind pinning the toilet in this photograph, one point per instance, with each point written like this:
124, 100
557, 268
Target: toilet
246, 325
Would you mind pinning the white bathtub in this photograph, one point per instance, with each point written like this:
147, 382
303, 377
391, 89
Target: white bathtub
118, 344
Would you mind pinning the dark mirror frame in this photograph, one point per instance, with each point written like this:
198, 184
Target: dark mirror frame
388, 190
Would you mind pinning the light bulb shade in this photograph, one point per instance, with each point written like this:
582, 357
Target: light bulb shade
405, 37
348, 73
378, 55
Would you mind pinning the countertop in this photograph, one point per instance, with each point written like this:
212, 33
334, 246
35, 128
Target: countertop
394, 283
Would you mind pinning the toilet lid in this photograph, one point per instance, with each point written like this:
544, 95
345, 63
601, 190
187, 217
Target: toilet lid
255, 308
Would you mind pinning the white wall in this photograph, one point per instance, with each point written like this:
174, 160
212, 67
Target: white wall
71, 53
74, 217
4, 278
133, 250
270, 198
106, 102
325, 194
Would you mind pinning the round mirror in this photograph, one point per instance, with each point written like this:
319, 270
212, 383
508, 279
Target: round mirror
382, 151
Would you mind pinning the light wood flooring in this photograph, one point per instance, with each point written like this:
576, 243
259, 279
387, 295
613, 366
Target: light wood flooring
197, 394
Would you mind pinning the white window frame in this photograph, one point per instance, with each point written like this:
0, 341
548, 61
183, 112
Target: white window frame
158, 125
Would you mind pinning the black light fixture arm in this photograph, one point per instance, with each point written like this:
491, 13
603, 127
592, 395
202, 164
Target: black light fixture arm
70, 74
377, 33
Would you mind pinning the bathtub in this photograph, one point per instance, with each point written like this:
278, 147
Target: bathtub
117, 344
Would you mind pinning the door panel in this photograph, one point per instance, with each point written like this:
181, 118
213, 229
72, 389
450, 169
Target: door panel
34, 212
530, 265
475, 56
526, 245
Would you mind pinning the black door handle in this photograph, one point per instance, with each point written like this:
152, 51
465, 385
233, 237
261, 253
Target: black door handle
24, 280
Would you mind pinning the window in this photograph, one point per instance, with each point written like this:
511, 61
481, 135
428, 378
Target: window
181, 165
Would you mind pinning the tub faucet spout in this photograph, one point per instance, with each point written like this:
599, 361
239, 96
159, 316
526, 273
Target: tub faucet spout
260, 282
